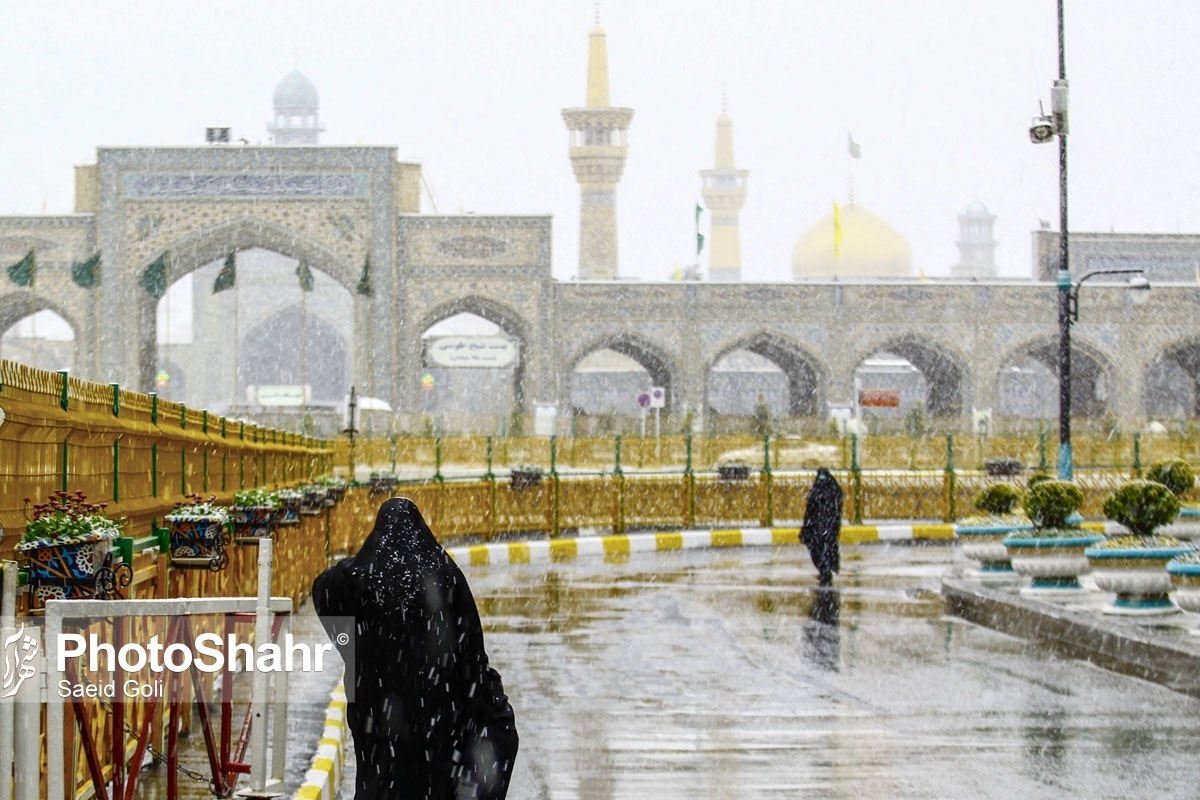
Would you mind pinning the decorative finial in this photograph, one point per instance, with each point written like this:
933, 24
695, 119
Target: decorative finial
597, 13
724, 99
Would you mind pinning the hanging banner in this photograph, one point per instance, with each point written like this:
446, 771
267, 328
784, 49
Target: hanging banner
472, 351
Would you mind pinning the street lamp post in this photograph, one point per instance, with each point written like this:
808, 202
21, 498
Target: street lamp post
1044, 128
1068, 313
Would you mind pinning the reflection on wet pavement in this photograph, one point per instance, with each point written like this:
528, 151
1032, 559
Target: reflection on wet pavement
728, 674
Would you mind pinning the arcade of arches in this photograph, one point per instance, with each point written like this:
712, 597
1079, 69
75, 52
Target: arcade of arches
383, 280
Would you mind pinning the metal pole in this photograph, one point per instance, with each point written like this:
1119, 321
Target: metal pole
8, 627
1065, 460
261, 687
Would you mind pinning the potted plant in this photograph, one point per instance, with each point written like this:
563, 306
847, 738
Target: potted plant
290, 501
68, 543
1052, 553
1184, 572
255, 512
312, 500
982, 535
1178, 476
525, 476
335, 489
1134, 566
197, 533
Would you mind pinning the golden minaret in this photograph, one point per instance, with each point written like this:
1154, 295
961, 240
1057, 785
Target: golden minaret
598, 149
724, 191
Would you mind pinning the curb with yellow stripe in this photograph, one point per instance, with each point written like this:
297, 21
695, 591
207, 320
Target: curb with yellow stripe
616, 546
324, 776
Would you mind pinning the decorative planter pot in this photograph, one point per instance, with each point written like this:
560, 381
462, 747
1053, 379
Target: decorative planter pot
313, 501
74, 571
525, 478
1185, 584
985, 544
253, 522
334, 495
289, 511
1185, 526
197, 542
1138, 576
1053, 563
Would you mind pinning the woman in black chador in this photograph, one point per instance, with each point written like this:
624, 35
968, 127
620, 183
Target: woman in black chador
823, 524
429, 716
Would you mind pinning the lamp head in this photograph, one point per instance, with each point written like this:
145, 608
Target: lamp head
1139, 290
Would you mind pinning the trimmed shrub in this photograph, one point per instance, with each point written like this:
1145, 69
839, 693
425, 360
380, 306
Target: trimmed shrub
1176, 474
998, 498
1037, 478
1142, 506
1050, 502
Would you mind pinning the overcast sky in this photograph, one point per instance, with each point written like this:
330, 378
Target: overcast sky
938, 93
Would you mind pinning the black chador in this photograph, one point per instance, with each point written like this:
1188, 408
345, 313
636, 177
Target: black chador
823, 525
429, 717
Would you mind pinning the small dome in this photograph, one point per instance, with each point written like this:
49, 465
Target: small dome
296, 91
977, 209
868, 248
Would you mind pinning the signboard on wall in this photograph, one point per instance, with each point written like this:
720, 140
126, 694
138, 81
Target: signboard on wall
282, 395
879, 398
491, 352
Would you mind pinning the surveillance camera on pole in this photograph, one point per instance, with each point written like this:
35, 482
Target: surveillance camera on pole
1046, 126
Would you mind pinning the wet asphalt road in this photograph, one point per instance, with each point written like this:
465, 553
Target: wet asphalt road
727, 674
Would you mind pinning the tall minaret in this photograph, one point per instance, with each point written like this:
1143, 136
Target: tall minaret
976, 243
598, 149
724, 193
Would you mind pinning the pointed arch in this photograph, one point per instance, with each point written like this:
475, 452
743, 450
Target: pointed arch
213, 243
943, 367
1092, 372
652, 357
806, 376
1171, 380
498, 313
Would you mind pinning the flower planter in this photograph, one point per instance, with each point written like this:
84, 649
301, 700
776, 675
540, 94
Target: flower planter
985, 544
289, 511
197, 542
1185, 584
334, 494
313, 501
253, 522
1138, 576
1052, 563
1185, 526
74, 570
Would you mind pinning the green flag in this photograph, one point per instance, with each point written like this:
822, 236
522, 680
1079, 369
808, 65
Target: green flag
227, 277
699, 235
84, 272
304, 271
22, 272
364, 283
855, 150
154, 277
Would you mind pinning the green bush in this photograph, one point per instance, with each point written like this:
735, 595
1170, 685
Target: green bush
1037, 478
1176, 475
1142, 506
998, 498
1050, 502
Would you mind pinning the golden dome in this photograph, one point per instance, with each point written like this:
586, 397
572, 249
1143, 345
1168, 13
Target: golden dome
868, 248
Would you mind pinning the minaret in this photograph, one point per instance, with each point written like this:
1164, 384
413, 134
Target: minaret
598, 149
724, 190
296, 105
976, 243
